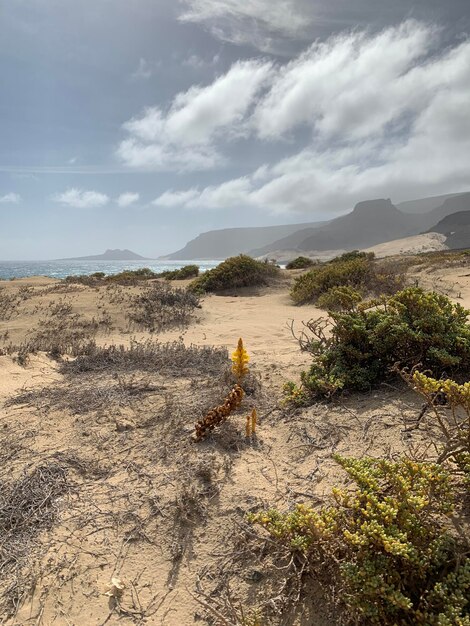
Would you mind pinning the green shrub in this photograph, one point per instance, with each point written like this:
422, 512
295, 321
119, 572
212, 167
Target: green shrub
356, 350
235, 272
385, 545
300, 263
339, 299
126, 277
188, 271
351, 273
357, 270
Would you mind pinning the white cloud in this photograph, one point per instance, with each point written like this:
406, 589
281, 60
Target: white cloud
381, 114
171, 199
128, 198
353, 84
81, 199
254, 22
10, 198
184, 136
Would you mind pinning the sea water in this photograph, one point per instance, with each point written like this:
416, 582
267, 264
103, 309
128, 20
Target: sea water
61, 269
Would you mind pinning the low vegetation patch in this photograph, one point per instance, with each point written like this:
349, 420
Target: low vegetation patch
161, 307
300, 263
385, 545
355, 350
174, 358
28, 506
185, 272
127, 277
233, 273
353, 270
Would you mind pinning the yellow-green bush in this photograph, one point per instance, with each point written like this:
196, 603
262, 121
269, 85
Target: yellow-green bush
235, 272
454, 423
385, 544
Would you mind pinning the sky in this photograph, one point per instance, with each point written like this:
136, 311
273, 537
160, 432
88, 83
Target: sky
142, 124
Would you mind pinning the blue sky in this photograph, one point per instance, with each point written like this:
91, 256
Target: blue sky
141, 124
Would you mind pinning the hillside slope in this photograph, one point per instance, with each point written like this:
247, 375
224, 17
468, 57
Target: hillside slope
456, 228
370, 223
220, 244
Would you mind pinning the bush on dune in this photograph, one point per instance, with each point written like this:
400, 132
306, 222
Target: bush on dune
160, 307
355, 270
185, 272
385, 545
300, 263
355, 350
233, 273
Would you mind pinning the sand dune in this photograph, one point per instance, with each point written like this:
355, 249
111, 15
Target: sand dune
147, 505
428, 242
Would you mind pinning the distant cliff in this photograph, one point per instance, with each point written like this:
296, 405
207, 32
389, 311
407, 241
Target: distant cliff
110, 255
220, 244
370, 223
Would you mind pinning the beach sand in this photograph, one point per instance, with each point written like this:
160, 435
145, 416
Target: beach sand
144, 503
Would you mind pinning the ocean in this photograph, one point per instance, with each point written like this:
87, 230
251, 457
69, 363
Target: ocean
61, 269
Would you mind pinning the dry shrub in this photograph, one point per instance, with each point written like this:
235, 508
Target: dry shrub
173, 358
62, 332
89, 395
161, 307
28, 506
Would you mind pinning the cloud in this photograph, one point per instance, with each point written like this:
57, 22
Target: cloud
143, 71
171, 199
258, 22
81, 199
128, 198
351, 84
184, 136
10, 198
363, 115
198, 63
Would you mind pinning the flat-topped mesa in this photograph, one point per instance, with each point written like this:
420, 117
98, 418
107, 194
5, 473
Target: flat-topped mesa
375, 207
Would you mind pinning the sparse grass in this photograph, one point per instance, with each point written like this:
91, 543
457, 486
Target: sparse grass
161, 307
28, 506
442, 258
234, 273
62, 332
91, 394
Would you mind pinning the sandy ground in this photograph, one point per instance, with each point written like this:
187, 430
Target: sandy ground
147, 505
429, 242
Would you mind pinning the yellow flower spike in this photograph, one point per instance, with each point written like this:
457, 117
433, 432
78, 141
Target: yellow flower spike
240, 360
254, 421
